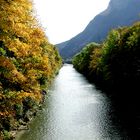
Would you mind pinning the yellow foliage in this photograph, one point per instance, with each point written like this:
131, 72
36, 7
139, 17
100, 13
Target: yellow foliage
27, 59
95, 58
5, 63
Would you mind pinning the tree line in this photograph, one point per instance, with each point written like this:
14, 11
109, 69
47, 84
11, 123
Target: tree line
115, 63
28, 63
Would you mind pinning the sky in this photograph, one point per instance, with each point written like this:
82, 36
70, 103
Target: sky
63, 19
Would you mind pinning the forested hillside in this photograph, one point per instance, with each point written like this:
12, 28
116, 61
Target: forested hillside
118, 13
28, 63
114, 64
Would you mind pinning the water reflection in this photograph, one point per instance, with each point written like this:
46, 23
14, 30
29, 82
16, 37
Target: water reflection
74, 110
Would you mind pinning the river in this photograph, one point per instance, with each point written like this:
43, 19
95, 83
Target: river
74, 110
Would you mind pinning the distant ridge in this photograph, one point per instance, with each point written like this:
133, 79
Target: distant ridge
118, 13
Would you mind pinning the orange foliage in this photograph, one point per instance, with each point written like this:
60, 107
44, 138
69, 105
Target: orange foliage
27, 59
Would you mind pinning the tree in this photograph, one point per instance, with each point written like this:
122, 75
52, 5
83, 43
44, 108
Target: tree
27, 60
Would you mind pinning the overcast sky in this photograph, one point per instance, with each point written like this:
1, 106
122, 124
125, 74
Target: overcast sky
63, 19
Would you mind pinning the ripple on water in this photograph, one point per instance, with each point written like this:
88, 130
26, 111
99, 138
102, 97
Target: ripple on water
74, 110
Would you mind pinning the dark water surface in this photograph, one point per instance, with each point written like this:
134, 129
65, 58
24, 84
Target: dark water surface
75, 110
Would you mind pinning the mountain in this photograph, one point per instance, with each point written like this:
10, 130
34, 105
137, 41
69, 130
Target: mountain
61, 45
118, 13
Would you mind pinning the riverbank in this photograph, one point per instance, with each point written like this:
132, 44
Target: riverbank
21, 124
24, 123
26, 111
114, 64
23, 128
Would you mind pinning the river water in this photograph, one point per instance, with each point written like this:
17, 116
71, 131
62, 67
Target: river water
74, 110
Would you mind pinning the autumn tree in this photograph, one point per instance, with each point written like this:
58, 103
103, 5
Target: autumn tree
115, 64
28, 61
83, 59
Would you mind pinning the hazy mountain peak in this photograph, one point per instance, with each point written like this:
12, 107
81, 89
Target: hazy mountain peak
118, 13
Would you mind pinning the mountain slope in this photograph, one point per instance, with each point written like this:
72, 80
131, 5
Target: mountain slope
119, 13
61, 45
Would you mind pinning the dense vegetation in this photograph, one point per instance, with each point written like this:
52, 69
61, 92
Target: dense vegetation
82, 60
28, 62
114, 64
